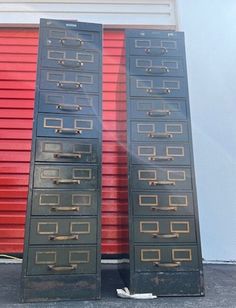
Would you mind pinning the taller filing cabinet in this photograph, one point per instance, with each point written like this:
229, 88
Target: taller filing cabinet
62, 238
165, 254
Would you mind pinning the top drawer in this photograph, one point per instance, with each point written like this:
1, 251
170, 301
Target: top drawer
154, 33
73, 35
158, 47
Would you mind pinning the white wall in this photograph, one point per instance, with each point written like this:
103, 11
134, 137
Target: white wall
210, 31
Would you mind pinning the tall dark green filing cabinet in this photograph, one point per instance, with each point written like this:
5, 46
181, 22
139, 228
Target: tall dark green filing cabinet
62, 238
165, 253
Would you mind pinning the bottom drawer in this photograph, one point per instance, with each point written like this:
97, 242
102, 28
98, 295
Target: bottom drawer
60, 261
166, 258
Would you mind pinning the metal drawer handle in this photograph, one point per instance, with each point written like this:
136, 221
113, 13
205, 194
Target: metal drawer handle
156, 158
168, 265
66, 181
69, 107
69, 85
157, 69
69, 63
71, 42
158, 113
155, 183
156, 51
164, 208
153, 91
63, 237
160, 135
62, 268
65, 209
173, 235
67, 155
68, 131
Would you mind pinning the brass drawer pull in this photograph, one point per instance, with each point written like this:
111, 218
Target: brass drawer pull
160, 135
168, 265
68, 131
157, 69
69, 63
155, 183
63, 237
69, 85
71, 42
67, 155
66, 181
156, 158
156, 51
65, 209
62, 268
153, 91
158, 113
69, 107
164, 208
173, 235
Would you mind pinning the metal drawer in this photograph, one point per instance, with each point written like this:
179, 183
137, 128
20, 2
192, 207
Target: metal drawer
160, 153
154, 46
149, 203
143, 65
153, 33
62, 231
65, 176
59, 125
164, 230
158, 109
166, 258
150, 86
160, 178
69, 81
72, 35
66, 150
159, 130
63, 102
64, 202
61, 58
62, 261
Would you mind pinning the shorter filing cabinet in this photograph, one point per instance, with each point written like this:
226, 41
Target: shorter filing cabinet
165, 252
62, 239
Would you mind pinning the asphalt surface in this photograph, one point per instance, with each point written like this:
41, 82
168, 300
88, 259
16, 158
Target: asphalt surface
220, 289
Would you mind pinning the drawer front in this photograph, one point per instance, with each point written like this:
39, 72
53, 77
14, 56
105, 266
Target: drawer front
65, 176
158, 109
164, 230
66, 202
160, 178
69, 81
64, 150
62, 261
55, 125
71, 39
153, 33
156, 47
159, 131
60, 231
62, 102
143, 65
160, 153
61, 58
150, 86
166, 258
161, 204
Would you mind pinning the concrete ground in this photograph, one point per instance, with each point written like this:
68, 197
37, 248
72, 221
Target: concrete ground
220, 288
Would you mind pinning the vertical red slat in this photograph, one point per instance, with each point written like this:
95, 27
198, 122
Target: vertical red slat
18, 53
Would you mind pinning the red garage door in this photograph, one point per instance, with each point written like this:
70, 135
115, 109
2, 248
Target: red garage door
18, 56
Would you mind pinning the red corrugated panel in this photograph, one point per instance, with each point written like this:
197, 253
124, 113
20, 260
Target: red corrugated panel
18, 54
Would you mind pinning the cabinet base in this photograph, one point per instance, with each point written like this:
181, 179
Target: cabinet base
168, 284
58, 288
